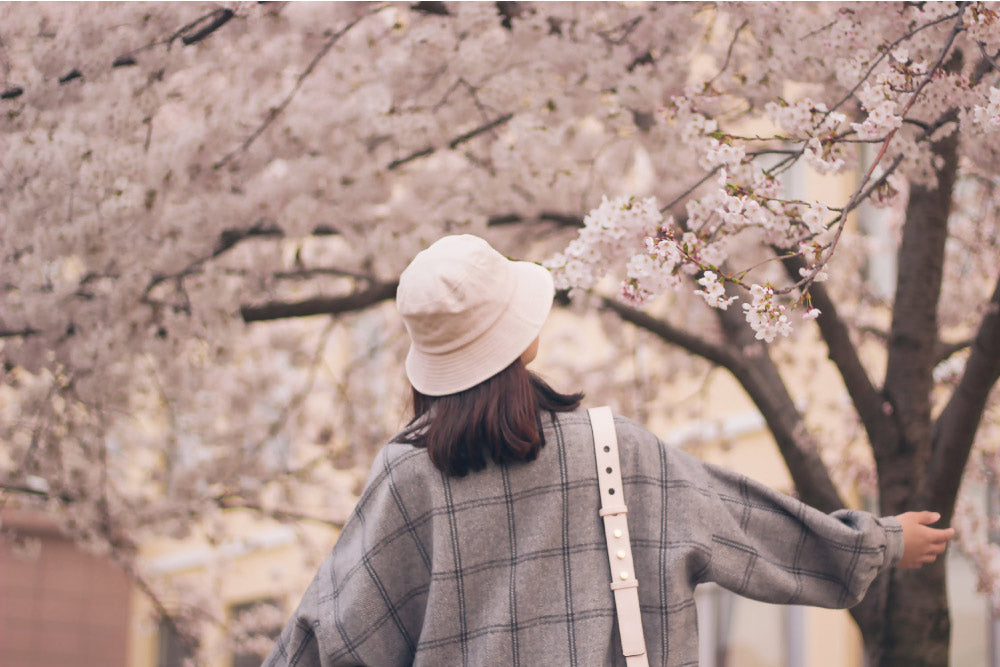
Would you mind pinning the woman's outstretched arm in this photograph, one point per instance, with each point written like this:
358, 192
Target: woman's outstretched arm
769, 546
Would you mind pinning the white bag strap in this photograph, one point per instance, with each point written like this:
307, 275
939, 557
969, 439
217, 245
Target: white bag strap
623, 581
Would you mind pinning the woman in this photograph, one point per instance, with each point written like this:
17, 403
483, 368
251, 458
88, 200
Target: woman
477, 539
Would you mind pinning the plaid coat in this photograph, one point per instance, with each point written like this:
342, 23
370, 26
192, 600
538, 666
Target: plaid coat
508, 566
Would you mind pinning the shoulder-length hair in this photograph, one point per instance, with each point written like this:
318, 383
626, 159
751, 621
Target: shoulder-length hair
499, 418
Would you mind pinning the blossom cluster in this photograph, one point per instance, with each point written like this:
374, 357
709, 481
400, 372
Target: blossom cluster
714, 292
764, 315
816, 125
611, 233
989, 115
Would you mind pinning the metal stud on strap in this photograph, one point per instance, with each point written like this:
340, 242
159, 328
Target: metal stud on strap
624, 585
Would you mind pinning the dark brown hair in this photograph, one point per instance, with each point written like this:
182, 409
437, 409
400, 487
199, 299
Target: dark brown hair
499, 418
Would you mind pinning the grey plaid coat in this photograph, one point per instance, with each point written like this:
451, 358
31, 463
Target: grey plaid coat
508, 566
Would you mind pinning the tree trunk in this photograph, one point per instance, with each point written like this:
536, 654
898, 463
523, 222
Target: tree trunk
918, 627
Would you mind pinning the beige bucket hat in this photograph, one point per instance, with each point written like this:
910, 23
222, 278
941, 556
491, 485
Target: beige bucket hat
470, 312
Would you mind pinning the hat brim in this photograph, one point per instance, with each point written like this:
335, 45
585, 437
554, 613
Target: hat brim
490, 353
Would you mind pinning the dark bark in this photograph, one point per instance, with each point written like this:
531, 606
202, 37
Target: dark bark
696, 344
23, 332
913, 336
560, 219
917, 627
321, 305
955, 429
214, 21
191, 33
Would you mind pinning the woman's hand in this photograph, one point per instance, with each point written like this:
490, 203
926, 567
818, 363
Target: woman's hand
921, 543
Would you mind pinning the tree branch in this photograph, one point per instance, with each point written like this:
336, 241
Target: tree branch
215, 20
955, 429
454, 143
230, 238
759, 377
953, 64
25, 489
24, 332
236, 462
943, 350
562, 219
227, 240
277, 310
696, 345
987, 62
431, 7
867, 400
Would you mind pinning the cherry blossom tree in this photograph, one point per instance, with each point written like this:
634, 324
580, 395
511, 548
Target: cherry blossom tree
182, 184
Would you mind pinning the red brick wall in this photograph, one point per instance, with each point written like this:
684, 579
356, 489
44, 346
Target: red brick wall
65, 607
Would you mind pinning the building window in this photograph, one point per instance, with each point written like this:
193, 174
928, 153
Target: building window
171, 650
256, 625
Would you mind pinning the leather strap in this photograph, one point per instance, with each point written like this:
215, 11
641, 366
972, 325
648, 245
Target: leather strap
613, 510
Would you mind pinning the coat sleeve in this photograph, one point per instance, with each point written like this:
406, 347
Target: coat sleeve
771, 547
366, 603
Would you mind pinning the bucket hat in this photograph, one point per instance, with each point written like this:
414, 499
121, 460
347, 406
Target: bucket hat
470, 312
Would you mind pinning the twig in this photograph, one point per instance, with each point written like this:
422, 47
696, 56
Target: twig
675, 200
219, 18
276, 111
866, 186
227, 240
561, 219
472, 90
279, 424
472, 134
888, 49
334, 271
626, 29
729, 53
230, 503
990, 60
453, 144
190, 645
36, 432
819, 29
856, 197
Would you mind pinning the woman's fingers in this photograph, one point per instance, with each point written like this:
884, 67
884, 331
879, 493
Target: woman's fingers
944, 535
922, 544
927, 518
